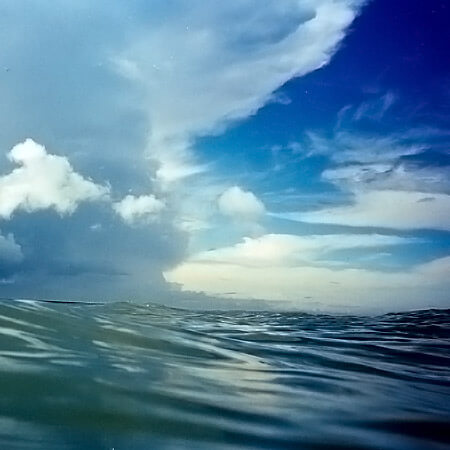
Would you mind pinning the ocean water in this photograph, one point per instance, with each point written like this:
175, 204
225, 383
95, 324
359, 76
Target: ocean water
123, 376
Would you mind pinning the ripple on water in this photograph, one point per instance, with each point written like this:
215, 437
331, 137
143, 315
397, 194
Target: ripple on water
129, 376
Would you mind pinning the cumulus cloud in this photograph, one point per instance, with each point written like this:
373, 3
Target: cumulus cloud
44, 181
240, 205
136, 209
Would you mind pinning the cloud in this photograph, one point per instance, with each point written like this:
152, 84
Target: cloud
135, 209
390, 209
128, 107
390, 176
375, 109
10, 251
424, 286
392, 162
44, 181
386, 176
346, 147
223, 63
240, 205
409, 160
11, 257
278, 250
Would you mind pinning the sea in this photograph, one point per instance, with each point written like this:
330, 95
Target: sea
124, 376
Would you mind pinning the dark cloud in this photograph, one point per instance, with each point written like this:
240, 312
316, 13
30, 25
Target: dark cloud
91, 253
60, 90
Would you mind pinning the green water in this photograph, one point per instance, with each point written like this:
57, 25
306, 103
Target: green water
123, 376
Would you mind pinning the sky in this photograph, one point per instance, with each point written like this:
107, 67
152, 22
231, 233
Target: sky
281, 154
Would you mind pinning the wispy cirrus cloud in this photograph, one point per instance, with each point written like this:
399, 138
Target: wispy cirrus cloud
194, 68
388, 209
371, 110
396, 179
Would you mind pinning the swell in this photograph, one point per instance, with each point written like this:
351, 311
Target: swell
123, 375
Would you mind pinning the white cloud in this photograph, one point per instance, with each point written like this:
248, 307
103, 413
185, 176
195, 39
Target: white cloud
347, 148
391, 209
390, 185
378, 163
375, 109
192, 224
240, 205
208, 66
280, 250
290, 267
10, 251
44, 181
390, 176
301, 284
135, 209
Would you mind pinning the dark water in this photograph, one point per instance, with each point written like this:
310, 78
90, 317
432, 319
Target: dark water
146, 377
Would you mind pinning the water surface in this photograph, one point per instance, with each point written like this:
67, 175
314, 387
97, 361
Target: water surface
123, 376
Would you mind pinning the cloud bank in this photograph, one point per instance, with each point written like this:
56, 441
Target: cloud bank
297, 269
271, 250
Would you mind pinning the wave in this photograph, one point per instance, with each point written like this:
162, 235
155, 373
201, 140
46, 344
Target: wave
128, 376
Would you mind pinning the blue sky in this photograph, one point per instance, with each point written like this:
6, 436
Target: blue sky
288, 155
